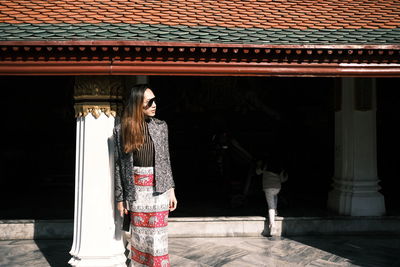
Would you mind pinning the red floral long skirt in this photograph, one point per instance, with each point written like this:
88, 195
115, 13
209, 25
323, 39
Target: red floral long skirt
149, 222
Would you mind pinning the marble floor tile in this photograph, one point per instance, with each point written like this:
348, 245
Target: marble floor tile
324, 263
21, 253
259, 260
210, 253
315, 251
183, 262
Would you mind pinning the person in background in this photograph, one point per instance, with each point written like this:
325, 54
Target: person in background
273, 175
144, 186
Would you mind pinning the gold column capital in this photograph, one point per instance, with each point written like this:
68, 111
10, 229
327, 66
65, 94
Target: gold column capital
98, 94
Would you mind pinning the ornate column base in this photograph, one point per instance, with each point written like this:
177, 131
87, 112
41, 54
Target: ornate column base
116, 261
356, 198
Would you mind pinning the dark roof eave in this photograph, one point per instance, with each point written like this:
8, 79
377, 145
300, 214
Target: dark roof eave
199, 69
192, 44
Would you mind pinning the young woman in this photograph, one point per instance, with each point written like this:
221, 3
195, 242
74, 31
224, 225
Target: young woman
144, 186
273, 175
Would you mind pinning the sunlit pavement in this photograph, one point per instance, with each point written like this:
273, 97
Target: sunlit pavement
325, 250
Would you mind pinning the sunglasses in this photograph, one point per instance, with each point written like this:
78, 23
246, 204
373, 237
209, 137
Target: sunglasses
150, 103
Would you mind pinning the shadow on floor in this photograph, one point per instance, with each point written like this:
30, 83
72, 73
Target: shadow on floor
366, 250
56, 252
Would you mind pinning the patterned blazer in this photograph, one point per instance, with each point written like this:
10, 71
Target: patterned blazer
124, 184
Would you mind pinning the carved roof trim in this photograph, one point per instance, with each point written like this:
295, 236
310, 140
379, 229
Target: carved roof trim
117, 43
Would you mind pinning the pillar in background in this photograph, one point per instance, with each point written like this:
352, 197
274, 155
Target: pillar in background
355, 184
97, 239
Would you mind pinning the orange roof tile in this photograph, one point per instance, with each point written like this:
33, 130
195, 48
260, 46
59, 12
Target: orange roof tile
201, 21
314, 13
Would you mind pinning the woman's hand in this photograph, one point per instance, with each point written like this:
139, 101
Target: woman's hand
122, 210
172, 200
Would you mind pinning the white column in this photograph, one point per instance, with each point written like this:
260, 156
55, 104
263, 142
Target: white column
97, 239
355, 184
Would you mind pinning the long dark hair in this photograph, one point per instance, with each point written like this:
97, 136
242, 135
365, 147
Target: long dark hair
132, 121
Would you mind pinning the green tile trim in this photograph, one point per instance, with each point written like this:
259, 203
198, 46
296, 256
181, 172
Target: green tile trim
202, 34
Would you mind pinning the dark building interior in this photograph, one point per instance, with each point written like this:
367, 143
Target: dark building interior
218, 128
286, 119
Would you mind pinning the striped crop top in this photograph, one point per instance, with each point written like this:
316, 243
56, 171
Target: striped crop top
144, 157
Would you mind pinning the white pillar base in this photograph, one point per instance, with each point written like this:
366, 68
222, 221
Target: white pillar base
97, 236
351, 203
117, 261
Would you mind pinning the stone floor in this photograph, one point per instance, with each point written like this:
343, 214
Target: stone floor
377, 251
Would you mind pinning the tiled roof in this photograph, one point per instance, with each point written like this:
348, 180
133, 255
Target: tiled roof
204, 21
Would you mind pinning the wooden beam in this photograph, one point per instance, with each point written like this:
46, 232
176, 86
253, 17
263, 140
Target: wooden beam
80, 67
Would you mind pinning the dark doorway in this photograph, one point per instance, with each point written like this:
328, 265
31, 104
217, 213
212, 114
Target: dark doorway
291, 119
38, 148
388, 141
